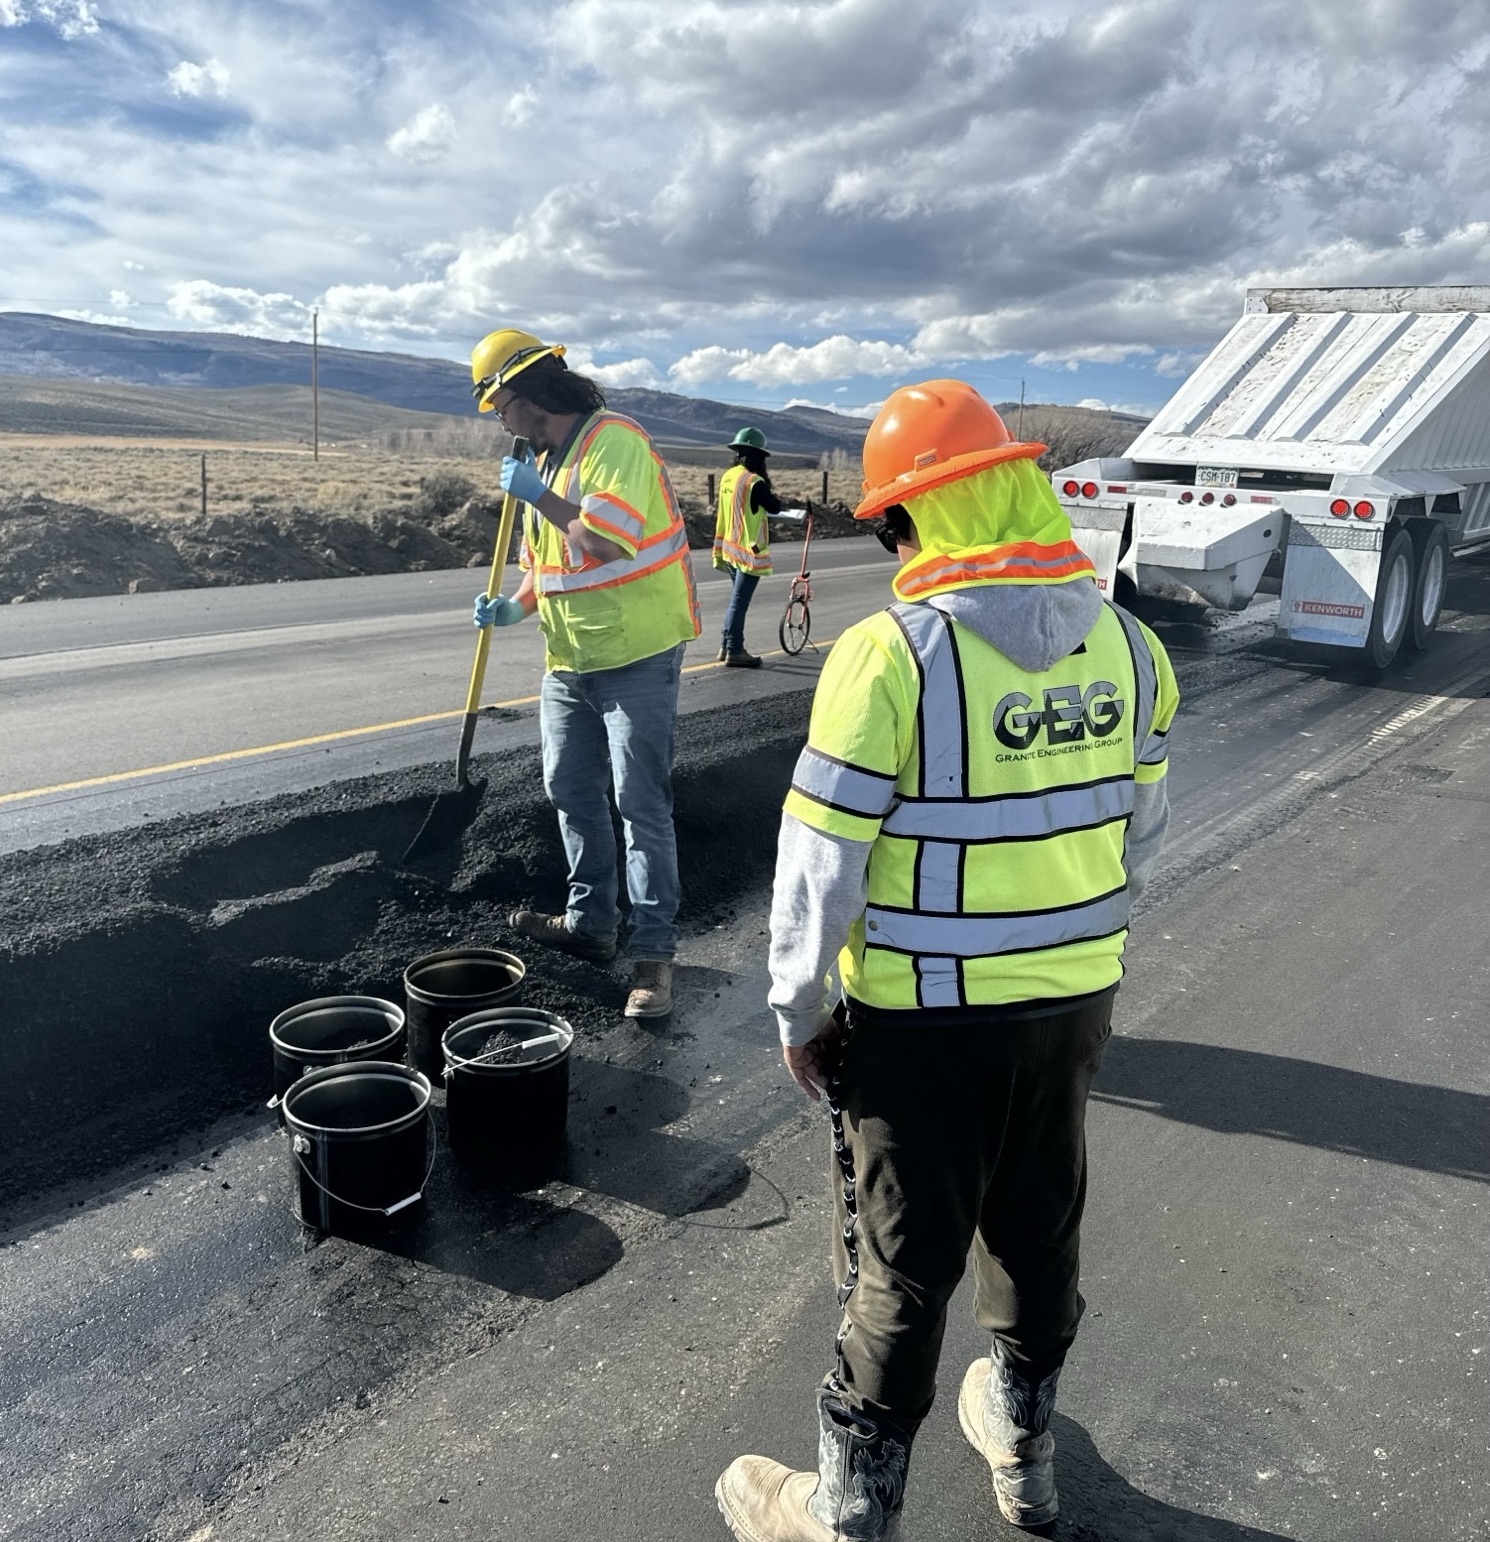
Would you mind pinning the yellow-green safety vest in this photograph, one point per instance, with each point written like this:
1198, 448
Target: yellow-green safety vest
602, 615
997, 801
742, 538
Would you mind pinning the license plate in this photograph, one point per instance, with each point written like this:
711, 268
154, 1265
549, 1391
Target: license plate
1215, 476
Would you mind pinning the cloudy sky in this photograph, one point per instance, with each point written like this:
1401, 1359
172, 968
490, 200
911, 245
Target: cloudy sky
746, 199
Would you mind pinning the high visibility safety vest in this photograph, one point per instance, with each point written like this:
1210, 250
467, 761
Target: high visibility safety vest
741, 536
997, 802
603, 615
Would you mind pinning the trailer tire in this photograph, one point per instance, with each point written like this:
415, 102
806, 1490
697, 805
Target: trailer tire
1391, 612
1431, 546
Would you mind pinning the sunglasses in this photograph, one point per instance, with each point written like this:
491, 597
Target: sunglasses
885, 534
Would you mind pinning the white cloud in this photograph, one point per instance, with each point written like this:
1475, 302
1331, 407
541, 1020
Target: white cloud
1094, 402
210, 305
519, 107
72, 18
209, 79
120, 297
634, 373
427, 136
835, 358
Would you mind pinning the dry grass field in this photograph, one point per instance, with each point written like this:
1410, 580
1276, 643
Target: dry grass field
102, 512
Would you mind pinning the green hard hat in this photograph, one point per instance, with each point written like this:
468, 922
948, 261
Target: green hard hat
749, 439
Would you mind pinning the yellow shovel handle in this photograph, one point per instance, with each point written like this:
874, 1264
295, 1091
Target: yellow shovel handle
493, 587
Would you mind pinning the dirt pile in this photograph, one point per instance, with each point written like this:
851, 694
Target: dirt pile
51, 550
142, 968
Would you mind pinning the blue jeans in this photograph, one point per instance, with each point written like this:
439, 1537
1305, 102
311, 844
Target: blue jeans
615, 727
733, 638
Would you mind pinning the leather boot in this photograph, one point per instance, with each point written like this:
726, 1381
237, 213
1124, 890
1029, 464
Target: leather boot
738, 658
854, 1496
651, 992
1007, 1418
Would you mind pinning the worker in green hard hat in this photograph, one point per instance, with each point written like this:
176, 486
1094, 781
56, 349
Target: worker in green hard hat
742, 542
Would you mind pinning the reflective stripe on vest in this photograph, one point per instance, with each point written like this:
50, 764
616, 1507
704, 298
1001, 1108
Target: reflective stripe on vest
731, 539
668, 545
836, 784
937, 931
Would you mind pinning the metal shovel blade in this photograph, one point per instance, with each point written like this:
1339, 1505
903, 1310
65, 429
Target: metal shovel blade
449, 818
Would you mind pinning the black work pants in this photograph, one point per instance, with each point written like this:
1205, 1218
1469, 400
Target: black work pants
968, 1138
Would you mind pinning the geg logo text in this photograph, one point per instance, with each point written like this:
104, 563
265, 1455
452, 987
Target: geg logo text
1067, 715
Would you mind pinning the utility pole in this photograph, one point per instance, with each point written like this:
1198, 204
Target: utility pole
204, 486
1019, 432
315, 384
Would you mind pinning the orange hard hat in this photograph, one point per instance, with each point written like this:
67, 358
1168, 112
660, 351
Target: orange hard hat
929, 434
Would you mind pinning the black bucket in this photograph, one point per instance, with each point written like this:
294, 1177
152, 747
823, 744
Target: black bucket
505, 1107
443, 987
332, 1030
359, 1141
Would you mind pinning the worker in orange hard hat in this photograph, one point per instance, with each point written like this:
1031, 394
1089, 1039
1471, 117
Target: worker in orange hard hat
980, 800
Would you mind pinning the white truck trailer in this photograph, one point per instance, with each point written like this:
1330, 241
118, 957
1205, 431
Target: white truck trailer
1335, 445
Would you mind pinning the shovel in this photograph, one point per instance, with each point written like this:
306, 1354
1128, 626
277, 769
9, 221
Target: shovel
453, 811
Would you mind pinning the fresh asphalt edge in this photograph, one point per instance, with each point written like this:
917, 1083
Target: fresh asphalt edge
142, 968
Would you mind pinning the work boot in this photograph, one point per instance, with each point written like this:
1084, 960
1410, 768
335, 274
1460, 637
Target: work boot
1007, 1417
738, 658
651, 989
722, 655
854, 1496
556, 932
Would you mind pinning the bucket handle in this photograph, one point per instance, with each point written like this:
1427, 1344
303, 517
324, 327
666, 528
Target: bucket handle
458, 1064
300, 1146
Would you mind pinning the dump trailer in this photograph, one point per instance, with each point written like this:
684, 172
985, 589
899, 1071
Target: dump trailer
1334, 447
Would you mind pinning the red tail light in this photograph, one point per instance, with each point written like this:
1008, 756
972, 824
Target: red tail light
1228, 499
1070, 489
1363, 510
1208, 497
1340, 508
1187, 496
1088, 489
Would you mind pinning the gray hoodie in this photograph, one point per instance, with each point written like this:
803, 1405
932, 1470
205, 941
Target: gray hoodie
822, 881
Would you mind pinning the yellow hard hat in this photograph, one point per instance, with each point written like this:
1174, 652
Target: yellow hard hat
501, 355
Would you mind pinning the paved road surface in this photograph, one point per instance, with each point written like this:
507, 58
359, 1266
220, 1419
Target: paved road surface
1285, 1256
201, 681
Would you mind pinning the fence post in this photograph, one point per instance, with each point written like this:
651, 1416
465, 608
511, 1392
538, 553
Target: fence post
711, 489
204, 485
825, 484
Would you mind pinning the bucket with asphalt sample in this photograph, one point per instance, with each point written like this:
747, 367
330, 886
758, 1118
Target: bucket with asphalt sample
332, 1030
359, 1141
441, 988
507, 1091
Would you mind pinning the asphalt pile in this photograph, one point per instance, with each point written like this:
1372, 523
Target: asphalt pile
142, 968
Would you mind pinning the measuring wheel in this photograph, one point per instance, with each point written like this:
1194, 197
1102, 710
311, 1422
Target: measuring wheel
796, 625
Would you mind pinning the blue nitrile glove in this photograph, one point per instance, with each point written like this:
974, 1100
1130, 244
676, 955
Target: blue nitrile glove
522, 481
498, 612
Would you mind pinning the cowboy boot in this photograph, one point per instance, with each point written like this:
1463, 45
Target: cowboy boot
855, 1495
1007, 1417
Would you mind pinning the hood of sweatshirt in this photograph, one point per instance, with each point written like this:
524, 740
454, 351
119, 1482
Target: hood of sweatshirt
1032, 625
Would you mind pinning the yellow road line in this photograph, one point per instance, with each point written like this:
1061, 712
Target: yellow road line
295, 744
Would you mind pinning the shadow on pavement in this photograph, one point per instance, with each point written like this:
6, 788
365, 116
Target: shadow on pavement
1099, 1505
1242, 1092
616, 1147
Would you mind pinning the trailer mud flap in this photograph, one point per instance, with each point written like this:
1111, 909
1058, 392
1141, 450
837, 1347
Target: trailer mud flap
1329, 583
1101, 549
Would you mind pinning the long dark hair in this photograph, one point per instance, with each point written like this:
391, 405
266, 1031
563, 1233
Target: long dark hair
754, 461
551, 386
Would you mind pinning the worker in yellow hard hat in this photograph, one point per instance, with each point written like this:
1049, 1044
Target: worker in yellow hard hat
742, 538
980, 800
605, 560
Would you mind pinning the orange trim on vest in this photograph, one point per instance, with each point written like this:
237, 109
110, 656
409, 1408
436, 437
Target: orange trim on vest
1018, 562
